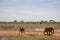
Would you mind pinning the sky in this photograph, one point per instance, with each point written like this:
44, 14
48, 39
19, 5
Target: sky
29, 10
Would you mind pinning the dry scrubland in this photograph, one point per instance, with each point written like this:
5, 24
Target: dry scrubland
29, 26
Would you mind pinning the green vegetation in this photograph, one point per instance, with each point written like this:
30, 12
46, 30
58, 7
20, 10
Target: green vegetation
27, 38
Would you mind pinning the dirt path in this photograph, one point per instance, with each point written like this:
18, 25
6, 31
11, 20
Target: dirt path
16, 33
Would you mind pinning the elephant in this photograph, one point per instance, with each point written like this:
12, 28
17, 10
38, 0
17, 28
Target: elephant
49, 31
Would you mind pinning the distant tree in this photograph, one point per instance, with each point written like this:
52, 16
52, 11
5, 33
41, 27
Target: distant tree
45, 21
41, 22
22, 21
15, 20
51, 21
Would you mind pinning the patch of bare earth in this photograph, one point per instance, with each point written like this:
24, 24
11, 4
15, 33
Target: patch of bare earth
16, 33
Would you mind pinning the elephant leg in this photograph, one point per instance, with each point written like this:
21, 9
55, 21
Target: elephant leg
47, 33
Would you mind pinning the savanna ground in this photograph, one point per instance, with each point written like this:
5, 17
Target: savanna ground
9, 31
15, 35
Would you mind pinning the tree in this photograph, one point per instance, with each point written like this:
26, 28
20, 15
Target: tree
51, 21
15, 20
41, 22
45, 21
22, 21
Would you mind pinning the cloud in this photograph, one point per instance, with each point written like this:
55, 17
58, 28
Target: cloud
8, 0
33, 0
29, 14
30, 9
